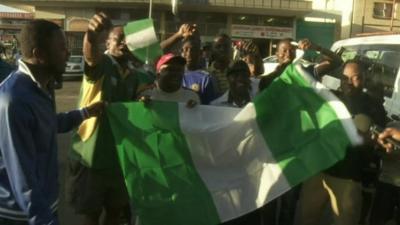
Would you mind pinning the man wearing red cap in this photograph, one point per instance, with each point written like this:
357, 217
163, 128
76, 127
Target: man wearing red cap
170, 70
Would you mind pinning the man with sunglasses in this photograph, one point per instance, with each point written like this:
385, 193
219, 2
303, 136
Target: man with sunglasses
341, 185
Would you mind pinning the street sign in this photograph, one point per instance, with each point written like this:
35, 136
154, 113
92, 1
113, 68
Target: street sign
267, 32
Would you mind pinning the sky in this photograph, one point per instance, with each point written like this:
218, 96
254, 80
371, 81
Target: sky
4, 8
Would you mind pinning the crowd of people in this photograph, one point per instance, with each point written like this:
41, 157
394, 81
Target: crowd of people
28, 145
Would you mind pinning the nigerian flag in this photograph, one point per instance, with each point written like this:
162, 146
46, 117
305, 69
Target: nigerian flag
209, 164
141, 40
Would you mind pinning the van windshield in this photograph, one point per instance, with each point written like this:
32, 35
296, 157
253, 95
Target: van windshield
381, 64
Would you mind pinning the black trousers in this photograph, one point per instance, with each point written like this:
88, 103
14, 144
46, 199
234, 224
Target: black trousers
253, 218
387, 198
4, 221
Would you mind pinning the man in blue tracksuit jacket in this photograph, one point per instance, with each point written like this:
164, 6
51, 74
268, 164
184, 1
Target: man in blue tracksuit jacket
29, 127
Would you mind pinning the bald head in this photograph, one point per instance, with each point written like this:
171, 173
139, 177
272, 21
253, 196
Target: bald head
352, 71
351, 81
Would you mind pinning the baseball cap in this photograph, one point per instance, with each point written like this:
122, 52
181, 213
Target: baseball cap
168, 58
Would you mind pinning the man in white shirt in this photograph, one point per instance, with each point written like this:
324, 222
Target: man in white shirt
170, 69
239, 92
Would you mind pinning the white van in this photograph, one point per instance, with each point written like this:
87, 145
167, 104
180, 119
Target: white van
381, 54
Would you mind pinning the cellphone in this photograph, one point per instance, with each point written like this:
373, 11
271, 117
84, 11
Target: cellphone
376, 130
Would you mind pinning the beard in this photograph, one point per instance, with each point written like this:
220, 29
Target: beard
58, 77
349, 90
54, 71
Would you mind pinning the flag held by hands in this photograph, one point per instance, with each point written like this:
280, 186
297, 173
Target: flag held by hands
208, 164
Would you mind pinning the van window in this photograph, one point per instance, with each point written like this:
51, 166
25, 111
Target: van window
372, 54
382, 66
348, 53
381, 63
380, 56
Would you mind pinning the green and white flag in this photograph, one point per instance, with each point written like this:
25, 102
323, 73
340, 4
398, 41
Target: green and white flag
142, 41
209, 164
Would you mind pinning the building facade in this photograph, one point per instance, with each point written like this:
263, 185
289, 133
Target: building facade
264, 21
360, 16
375, 16
10, 25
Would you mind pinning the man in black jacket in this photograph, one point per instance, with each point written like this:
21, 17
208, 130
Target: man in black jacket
340, 185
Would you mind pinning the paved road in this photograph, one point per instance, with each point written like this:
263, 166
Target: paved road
66, 99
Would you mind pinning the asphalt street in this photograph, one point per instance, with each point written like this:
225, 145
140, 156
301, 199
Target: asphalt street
66, 99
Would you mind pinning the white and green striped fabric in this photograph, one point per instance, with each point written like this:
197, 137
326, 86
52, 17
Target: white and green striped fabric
209, 164
141, 39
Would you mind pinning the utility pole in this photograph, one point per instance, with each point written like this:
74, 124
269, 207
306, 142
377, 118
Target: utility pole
150, 8
150, 15
393, 12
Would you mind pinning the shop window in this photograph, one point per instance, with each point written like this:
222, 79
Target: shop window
215, 28
208, 24
215, 18
277, 21
245, 19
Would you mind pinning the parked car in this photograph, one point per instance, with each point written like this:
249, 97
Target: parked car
74, 68
270, 63
381, 55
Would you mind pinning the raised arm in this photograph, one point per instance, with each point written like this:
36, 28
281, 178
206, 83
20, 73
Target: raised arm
98, 24
184, 31
330, 62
